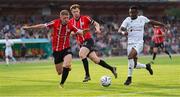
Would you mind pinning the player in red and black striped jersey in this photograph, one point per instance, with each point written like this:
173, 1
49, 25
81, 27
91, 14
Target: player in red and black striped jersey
86, 42
62, 29
158, 39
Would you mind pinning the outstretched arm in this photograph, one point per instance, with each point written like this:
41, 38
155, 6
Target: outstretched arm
153, 22
38, 26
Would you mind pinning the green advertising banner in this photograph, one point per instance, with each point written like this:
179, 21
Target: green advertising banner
31, 47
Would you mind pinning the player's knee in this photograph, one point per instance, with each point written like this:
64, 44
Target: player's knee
67, 66
130, 57
155, 51
82, 56
59, 73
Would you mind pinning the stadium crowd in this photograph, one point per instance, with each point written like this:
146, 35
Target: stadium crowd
108, 43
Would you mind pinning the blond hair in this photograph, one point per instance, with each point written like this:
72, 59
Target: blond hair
74, 6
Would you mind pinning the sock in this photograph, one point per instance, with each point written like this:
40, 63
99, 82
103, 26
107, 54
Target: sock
105, 65
130, 67
7, 61
86, 66
168, 53
154, 56
139, 65
64, 75
13, 59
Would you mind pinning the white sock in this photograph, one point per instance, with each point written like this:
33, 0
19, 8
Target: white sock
13, 59
130, 67
139, 65
7, 61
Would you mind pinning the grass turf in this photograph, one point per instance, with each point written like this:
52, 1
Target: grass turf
39, 78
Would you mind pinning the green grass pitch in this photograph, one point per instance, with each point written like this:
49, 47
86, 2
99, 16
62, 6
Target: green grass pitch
39, 79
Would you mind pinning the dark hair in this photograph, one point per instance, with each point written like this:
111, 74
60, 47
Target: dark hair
133, 7
74, 6
64, 12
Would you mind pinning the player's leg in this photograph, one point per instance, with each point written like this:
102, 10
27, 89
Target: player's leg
165, 50
83, 55
140, 65
145, 66
11, 55
58, 61
7, 56
155, 49
66, 68
132, 56
101, 62
59, 68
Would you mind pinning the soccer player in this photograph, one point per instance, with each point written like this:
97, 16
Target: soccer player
8, 50
133, 27
62, 54
158, 40
86, 42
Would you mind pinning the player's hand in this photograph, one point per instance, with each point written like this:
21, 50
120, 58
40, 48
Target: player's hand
124, 33
85, 31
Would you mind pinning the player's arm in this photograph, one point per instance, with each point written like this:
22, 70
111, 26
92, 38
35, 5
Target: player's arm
81, 32
38, 26
94, 23
153, 22
97, 27
76, 31
163, 35
123, 31
123, 28
160, 35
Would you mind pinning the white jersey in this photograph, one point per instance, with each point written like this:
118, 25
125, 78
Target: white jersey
9, 44
135, 28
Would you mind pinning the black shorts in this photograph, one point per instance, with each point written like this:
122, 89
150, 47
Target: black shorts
159, 45
59, 55
89, 43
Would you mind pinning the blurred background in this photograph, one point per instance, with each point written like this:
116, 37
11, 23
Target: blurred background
109, 13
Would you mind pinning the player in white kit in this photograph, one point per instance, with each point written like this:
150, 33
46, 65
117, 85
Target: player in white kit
133, 27
8, 50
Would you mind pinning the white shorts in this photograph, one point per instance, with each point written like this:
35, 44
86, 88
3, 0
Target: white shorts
137, 46
8, 52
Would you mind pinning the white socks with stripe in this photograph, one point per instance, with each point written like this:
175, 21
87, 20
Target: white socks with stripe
139, 65
130, 67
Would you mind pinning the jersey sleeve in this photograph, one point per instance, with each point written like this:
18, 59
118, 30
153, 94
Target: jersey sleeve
89, 20
125, 23
49, 24
145, 19
73, 28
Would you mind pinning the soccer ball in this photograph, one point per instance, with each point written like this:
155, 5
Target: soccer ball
105, 81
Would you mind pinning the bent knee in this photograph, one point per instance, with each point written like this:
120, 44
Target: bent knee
59, 72
96, 60
67, 66
130, 57
82, 56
